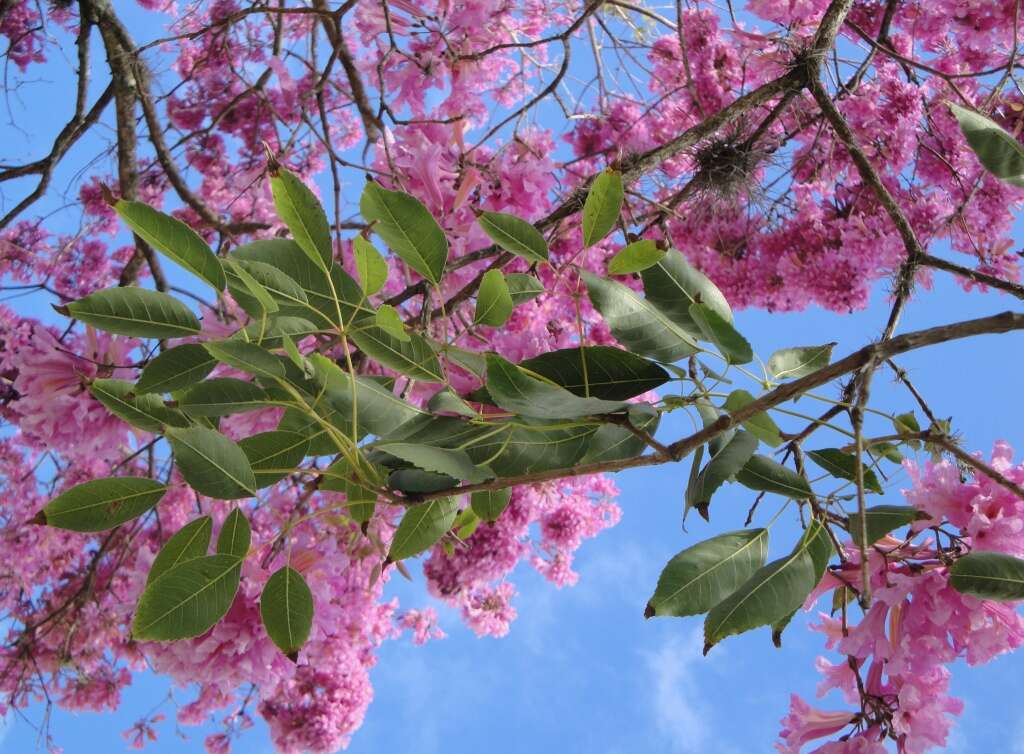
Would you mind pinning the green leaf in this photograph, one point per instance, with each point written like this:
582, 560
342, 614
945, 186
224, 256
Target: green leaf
906, 424
187, 600
466, 523
602, 207
612, 442
843, 466
454, 463
724, 465
223, 396
388, 320
273, 454
522, 287
147, 412
408, 228
249, 279
700, 577
272, 332
190, 541
998, 151
636, 257
248, 357
881, 520
598, 372
175, 368
212, 464
102, 504
235, 535
636, 323
174, 239
515, 235
412, 357
422, 526
493, 300
761, 425
800, 361
773, 591
989, 576
371, 266
258, 301
446, 402
489, 504
516, 391
673, 285
137, 312
765, 475
300, 210
733, 346
286, 607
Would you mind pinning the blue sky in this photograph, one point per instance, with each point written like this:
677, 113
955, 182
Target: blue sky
582, 671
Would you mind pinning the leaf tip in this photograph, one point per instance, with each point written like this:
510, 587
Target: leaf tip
707, 647
39, 519
61, 309
649, 611
293, 656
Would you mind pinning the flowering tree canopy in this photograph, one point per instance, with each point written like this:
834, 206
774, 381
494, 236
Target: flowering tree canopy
436, 269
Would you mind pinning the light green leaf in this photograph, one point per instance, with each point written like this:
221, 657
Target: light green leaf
248, 357
188, 599
516, 391
998, 151
137, 312
881, 520
286, 607
843, 466
412, 357
636, 257
989, 576
102, 504
174, 239
493, 300
300, 210
371, 267
800, 361
190, 541
733, 346
422, 526
700, 577
636, 323
522, 287
765, 475
175, 368
408, 228
249, 292
514, 234
489, 504
235, 535
389, 321
147, 412
602, 206
761, 425
212, 464
246, 276
273, 454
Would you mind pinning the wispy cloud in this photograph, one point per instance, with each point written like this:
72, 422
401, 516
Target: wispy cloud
679, 716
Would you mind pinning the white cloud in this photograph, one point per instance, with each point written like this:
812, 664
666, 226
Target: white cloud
679, 716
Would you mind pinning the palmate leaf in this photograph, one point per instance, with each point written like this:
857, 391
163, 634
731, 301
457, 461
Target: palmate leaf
598, 372
636, 323
773, 592
408, 228
514, 234
700, 577
188, 599
422, 526
989, 576
102, 504
602, 206
514, 390
190, 541
174, 239
136, 312
301, 211
286, 607
212, 464
175, 368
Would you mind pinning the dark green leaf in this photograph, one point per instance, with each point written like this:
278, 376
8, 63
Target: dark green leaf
408, 228
414, 481
515, 235
700, 577
102, 504
413, 357
138, 312
235, 535
724, 465
733, 346
175, 368
258, 301
765, 475
422, 526
146, 412
843, 466
800, 361
454, 463
514, 390
274, 454
636, 257
188, 599
446, 402
248, 357
522, 287
602, 206
612, 442
673, 285
173, 238
989, 576
493, 300
222, 396
489, 504
598, 372
212, 464
881, 520
300, 210
190, 541
286, 607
